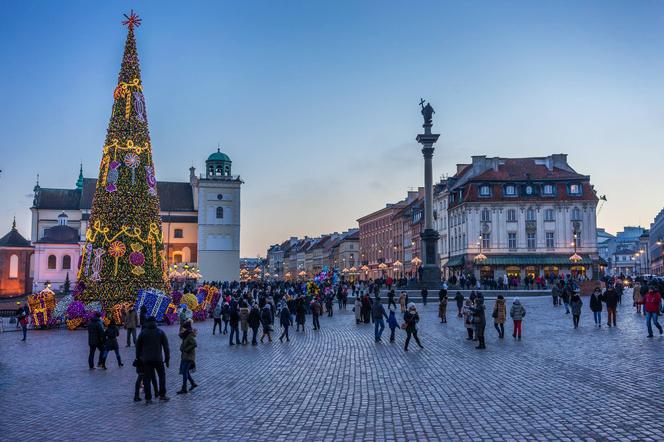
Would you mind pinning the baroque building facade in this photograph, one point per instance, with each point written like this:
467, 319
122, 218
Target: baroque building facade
200, 224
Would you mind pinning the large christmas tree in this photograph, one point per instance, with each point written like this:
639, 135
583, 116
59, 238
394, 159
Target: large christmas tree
124, 249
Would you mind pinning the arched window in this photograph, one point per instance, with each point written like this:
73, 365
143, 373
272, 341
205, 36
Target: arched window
52, 262
220, 212
211, 170
66, 262
13, 267
219, 170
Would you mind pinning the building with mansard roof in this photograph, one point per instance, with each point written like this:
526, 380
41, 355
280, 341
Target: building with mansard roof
200, 223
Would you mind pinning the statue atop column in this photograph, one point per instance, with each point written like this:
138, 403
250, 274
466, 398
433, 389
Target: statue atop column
427, 112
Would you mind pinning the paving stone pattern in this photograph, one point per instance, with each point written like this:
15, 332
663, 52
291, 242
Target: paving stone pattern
337, 384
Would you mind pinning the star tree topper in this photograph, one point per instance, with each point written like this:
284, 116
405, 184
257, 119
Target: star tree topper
132, 20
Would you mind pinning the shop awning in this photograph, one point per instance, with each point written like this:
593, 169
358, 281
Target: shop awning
455, 261
534, 260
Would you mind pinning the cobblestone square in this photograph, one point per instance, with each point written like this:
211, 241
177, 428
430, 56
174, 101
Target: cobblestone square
337, 384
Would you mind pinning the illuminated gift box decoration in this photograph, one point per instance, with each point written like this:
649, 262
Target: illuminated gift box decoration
154, 300
72, 324
61, 307
41, 307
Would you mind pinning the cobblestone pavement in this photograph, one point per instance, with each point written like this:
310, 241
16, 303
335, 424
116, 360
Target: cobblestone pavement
337, 384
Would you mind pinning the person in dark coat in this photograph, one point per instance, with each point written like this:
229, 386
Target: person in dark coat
459, 302
266, 322
143, 316
225, 315
390, 299
576, 305
234, 319
316, 311
611, 300
285, 321
187, 356
23, 317
111, 343
95, 340
479, 321
254, 321
151, 342
411, 318
130, 324
596, 306
300, 313
425, 294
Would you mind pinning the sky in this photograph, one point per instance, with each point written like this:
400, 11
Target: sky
316, 102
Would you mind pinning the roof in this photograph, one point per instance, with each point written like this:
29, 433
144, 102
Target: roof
219, 156
60, 234
14, 239
513, 169
175, 197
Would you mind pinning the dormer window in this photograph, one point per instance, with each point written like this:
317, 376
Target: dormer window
510, 190
548, 189
529, 190
574, 189
485, 190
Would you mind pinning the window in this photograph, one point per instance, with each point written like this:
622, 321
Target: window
485, 191
549, 240
486, 215
530, 215
220, 196
66, 262
529, 190
51, 262
549, 215
531, 240
576, 214
220, 212
177, 233
548, 189
486, 241
13, 267
510, 190
511, 240
574, 189
511, 216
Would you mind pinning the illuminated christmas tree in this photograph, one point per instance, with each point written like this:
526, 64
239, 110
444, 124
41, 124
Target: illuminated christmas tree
124, 250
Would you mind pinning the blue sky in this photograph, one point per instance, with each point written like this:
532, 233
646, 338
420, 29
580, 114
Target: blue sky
316, 102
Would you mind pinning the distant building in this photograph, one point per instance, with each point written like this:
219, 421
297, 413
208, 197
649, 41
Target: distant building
15, 257
605, 244
525, 216
656, 245
626, 241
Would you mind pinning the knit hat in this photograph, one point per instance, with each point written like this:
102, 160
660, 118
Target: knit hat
411, 305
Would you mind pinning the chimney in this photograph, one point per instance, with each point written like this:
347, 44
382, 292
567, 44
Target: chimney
559, 160
479, 164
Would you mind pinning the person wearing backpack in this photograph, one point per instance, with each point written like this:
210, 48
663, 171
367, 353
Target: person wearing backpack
216, 315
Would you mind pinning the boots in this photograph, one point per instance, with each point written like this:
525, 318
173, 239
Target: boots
481, 345
183, 390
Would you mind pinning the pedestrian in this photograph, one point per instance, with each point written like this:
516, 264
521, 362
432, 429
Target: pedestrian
216, 315
638, 298
576, 303
254, 321
555, 294
499, 314
328, 304
390, 299
392, 323
111, 343
425, 294
143, 316
153, 351
366, 309
566, 294
517, 313
140, 377
411, 318
479, 321
188, 356
95, 340
357, 309
653, 305
266, 322
23, 316
611, 299
468, 318
459, 302
442, 305
285, 321
300, 314
244, 324
596, 306
316, 311
130, 324
234, 320
402, 301
378, 313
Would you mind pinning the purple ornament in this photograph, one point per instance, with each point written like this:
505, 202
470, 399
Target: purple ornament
137, 258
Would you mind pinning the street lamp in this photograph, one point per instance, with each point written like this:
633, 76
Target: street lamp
481, 257
575, 258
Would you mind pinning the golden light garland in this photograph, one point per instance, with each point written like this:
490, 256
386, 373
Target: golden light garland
154, 233
124, 90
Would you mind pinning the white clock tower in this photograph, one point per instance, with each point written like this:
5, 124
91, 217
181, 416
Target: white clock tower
218, 199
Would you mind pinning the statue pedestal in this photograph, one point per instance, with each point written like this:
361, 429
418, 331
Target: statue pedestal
430, 273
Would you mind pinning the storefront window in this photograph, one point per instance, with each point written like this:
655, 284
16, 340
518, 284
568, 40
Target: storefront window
513, 272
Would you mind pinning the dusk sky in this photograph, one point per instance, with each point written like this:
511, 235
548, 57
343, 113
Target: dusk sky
316, 102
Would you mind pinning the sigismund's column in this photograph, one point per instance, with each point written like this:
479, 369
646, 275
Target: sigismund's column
430, 274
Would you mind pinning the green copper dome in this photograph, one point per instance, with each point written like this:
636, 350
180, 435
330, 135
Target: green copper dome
219, 156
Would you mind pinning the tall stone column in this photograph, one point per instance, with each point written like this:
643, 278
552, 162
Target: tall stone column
430, 272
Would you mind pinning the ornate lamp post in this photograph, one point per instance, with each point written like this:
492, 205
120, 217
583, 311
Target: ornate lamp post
430, 268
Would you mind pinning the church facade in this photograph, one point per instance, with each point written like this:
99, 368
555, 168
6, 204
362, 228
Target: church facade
200, 223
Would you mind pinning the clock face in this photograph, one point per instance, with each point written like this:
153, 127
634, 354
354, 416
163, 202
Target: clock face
529, 190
